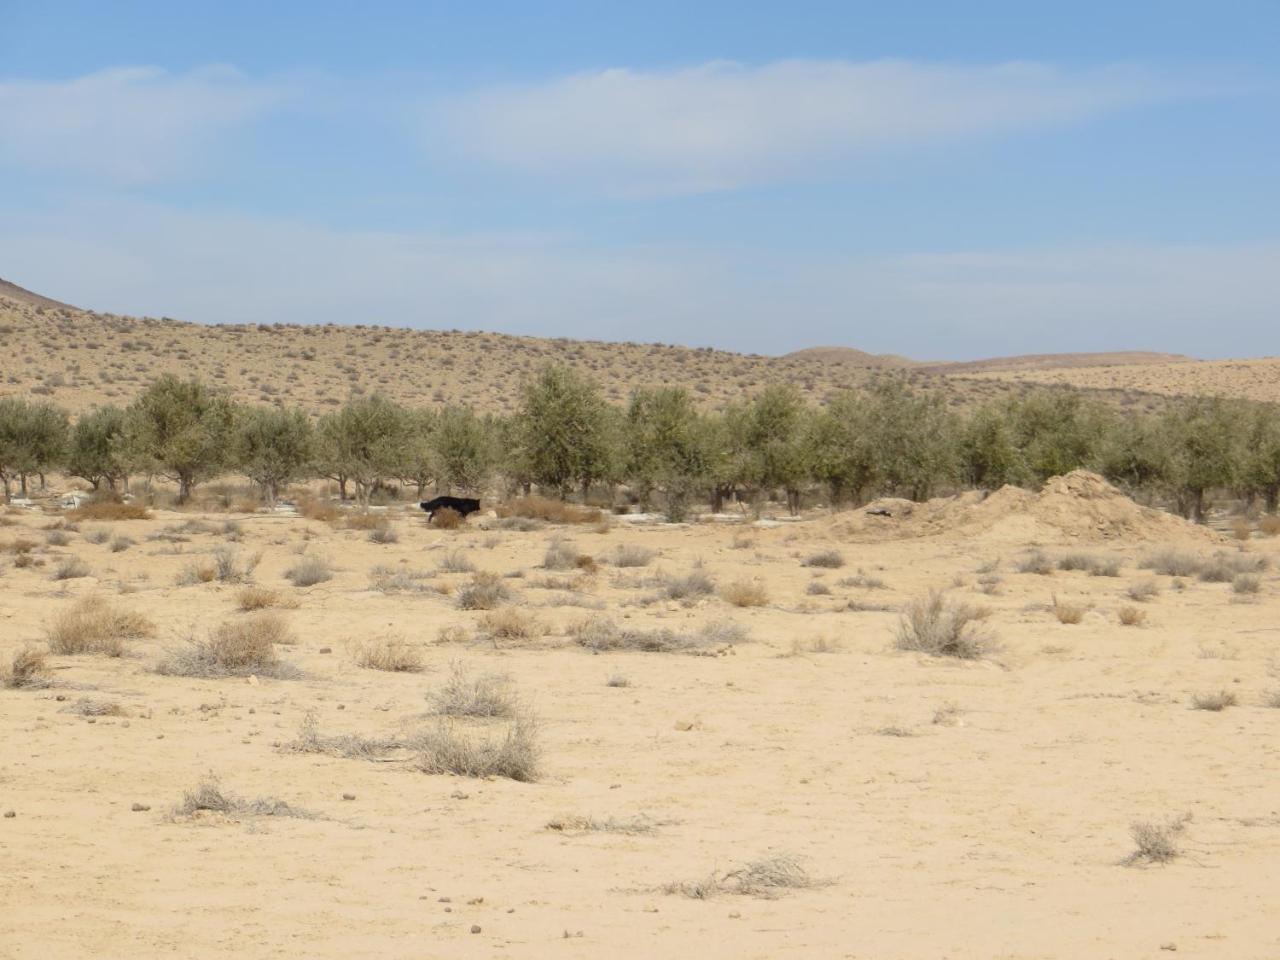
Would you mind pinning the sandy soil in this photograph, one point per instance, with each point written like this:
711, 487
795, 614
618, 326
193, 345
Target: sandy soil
941, 808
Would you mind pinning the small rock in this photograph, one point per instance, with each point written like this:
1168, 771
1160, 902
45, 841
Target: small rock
60, 697
342, 706
140, 807
159, 736
511, 909
326, 649
475, 928
735, 915
444, 900
251, 710
10, 814
348, 796
459, 795
1169, 946
448, 909
90, 719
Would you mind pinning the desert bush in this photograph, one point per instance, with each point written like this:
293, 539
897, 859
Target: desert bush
1270, 525
633, 555
455, 561
552, 511
95, 707
1214, 702
228, 566
119, 544
109, 510
447, 518
617, 680
602, 634
209, 797
235, 648
1156, 842
519, 524
862, 581
392, 580
989, 583
1076, 561
1225, 567
70, 568
816, 588
1143, 591
745, 593
1272, 700
320, 510
95, 626
1246, 583
691, 586
1132, 616
28, 670
513, 755
97, 537
365, 520
826, 559
347, 745
309, 571
1106, 568
199, 571
260, 598
1172, 563
509, 623
485, 592
389, 653
1069, 613
760, 878
580, 824
1037, 562
468, 695
560, 555
1241, 528
586, 563
384, 535
942, 628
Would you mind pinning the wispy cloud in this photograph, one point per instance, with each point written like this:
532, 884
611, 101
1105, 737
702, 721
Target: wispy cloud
140, 258
723, 125
129, 124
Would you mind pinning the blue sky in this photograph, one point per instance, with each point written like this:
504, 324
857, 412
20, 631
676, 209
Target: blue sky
940, 180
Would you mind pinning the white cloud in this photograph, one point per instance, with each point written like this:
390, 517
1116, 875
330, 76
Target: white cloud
1207, 301
723, 125
130, 124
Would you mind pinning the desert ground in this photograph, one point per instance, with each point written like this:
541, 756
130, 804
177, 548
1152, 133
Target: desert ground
734, 755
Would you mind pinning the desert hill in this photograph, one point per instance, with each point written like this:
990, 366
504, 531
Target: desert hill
81, 358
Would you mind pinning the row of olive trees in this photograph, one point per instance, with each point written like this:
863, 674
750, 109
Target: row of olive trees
565, 437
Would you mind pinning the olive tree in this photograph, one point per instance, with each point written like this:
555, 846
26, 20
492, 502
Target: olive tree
841, 450
180, 429
273, 447
463, 449
1204, 442
363, 442
665, 447
33, 440
565, 430
96, 449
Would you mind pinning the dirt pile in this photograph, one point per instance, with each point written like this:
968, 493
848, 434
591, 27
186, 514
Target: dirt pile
1080, 506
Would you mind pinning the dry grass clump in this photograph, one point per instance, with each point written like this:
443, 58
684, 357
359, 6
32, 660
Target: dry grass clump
633, 555
1241, 528
28, 670
314, 509
365, 520
1225, 567
93, 625
513, 755
816, 588
1069, 613
468, 695
1156, 842
208, 797
390, 653
942, 628
236, 648
384, 535
109, 509
350, 746
1272, 700
767, 878
486, 591
560, 555
1037, 562
447, 518
120, 543
228, 567
602, 634
826, 559
510, 623
1246, 583
691, 586
1143, 591
1269, 525
197, 572
94, 707
309, 571
1131, 616
455, 561
745, 593
1214, 702
1172, 563
625, 825
552, 511
70, 568
1076, 561
97, 537
391, 580
260, 598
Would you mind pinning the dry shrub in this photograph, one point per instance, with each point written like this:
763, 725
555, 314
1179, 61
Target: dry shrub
384, 535
816, 588
1132, 616
745, 593
95, 626
1172, 563
260, 598
97, 537
447, 518
236, 648
560, 555
942, 628
578, 824
1270, 524
1037, 562
20, 546
365, 520
109, 509
93, 707
120, 543
552, 511
348, 745
228, 567
633, 555
486, 591
455, 561
391, 580
586, 563
390, 653
690, 587
1214, 702
826, 559
309, 571
1241, 528
28, 670
766, 878
1069, 613
466, 695
1156, 842
1076, 561
1246, 583
1225, 567
70, 568
601, 634
209, 797
315, 509
1143, 591
512, 755
510, 623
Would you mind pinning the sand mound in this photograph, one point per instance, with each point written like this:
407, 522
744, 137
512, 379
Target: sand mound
1080, 506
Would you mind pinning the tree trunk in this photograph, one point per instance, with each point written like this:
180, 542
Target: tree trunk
22, 484
184, 487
